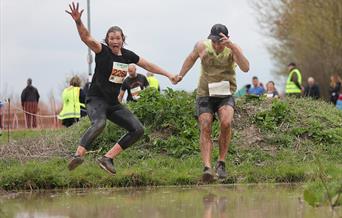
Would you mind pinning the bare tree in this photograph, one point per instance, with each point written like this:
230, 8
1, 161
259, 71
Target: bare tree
306, 32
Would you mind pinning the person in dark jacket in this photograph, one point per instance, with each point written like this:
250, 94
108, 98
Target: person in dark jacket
312, 89
29, 102
1, 118
134, 84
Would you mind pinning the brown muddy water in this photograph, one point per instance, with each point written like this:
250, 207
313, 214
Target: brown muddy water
257, 201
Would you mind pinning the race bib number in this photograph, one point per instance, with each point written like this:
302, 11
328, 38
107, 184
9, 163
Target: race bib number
119, 72
219, 89
135, 93
269, 95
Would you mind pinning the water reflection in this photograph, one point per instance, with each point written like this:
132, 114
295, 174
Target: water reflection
205, 201
215, 206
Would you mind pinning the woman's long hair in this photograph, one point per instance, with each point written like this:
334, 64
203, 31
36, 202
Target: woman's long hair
115, 29
334, 79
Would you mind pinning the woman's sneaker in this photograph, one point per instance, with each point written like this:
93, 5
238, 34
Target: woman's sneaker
207, 175
75, 161
220, 169
107, 164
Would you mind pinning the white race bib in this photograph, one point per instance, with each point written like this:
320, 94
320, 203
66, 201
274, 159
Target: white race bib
219, 88
135, 93
119, 72
269, 95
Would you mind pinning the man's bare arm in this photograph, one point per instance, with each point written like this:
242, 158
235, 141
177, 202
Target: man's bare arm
85, 36
190, 60
238, 56
240, 59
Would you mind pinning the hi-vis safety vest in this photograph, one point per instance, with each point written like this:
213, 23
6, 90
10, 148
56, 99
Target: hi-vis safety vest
291, 87
153, 82
71, 103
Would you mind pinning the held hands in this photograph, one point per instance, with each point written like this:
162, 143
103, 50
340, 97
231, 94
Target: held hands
74, 12
176, 79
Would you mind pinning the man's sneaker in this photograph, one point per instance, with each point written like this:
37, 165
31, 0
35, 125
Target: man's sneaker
107, 164
220, 169
207, 175
75, 161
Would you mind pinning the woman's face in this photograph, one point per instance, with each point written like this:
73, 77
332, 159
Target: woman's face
115, 41
270, 87
331, 78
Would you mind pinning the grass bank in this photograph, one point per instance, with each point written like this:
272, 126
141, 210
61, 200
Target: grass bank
18, 134
155, 171
273, 141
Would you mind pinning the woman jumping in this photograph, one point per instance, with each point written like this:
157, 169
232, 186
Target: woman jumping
111, 65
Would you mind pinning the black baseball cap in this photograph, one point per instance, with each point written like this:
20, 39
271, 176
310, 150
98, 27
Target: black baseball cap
216, 30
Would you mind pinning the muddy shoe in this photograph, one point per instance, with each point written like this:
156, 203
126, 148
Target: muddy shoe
75, 161
207, 175
220, 169
107, 164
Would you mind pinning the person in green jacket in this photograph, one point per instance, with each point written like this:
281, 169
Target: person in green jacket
294, 81
73, 102
152, 80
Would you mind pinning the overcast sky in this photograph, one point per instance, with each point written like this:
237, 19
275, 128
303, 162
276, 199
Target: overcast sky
39, 40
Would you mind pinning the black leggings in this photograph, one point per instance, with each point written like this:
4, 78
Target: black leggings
99, 111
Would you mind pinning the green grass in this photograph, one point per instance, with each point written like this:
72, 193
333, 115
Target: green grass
274, 141
152, 172
18, 134
325, 188
155, 170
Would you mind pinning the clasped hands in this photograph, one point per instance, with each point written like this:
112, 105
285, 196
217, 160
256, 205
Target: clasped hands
175, 79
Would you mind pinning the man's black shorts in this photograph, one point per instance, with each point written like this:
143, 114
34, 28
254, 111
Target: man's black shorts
212, 104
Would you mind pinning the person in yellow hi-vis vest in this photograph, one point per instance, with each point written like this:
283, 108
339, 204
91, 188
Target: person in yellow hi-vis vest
73, 102
294, 81
152, 80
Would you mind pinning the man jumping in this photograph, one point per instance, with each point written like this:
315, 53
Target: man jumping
217, 84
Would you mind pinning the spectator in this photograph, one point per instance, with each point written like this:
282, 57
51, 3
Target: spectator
335, 88
73, 102
243, 91
312, 89
134, 83
1, 118
271, 91
257, 88
294, 81
29, 102
152, 81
